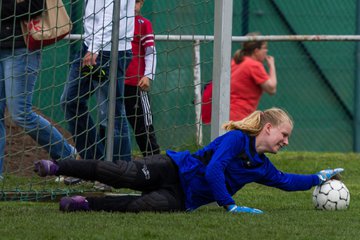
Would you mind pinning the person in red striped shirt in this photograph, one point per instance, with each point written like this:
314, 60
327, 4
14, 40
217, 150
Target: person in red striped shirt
139, 76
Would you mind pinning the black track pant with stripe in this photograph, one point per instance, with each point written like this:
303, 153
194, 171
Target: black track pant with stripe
155, 176
138, 113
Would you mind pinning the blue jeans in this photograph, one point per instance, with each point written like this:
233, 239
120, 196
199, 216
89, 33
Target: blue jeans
74, 101
18, 75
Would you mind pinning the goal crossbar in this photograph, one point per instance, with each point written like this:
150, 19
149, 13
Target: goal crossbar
249, 38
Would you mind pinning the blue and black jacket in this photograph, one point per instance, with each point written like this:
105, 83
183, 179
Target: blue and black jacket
220, 169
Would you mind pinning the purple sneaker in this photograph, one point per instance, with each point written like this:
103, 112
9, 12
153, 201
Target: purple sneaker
45, 168
76, 203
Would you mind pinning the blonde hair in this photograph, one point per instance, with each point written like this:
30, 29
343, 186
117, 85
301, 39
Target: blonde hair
255, 122
247, 48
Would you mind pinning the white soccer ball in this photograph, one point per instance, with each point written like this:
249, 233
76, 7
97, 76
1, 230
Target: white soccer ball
331, 195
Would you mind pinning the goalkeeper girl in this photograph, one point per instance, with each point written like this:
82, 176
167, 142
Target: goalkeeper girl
184, 181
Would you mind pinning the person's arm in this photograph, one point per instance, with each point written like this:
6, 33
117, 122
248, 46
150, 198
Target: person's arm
150, 67
21, 8
231, 145
148, 44
150, 62
269, 86
228, 149
288, 181
293, 182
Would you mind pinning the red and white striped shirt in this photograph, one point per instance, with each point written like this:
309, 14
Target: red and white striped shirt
143, 62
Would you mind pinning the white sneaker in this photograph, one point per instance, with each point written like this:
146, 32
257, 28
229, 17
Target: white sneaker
76, 155
102, 187
72, 181
59, 179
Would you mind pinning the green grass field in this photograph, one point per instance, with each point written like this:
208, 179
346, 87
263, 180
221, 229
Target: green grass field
287, 215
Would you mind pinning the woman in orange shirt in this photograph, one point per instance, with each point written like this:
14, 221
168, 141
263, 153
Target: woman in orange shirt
249, 78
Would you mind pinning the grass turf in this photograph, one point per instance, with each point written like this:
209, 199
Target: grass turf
287, 215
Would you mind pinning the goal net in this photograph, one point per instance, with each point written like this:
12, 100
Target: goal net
314, 44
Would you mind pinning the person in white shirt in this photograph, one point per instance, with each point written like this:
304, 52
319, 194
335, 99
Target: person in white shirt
89, 73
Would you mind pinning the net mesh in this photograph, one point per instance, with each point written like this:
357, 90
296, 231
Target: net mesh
316, 81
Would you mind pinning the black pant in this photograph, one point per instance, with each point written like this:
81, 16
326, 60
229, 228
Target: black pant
138, 113
156, 176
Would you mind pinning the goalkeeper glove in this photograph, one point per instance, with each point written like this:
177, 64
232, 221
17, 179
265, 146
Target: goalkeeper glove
96, 72
242, 209
327, 174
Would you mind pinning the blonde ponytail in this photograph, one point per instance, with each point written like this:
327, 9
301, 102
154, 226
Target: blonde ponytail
254, 123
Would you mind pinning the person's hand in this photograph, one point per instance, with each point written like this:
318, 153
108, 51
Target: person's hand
144, 83
242, 209
89, 59
270, 61
327, 174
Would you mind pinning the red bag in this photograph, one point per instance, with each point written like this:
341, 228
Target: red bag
52, 25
